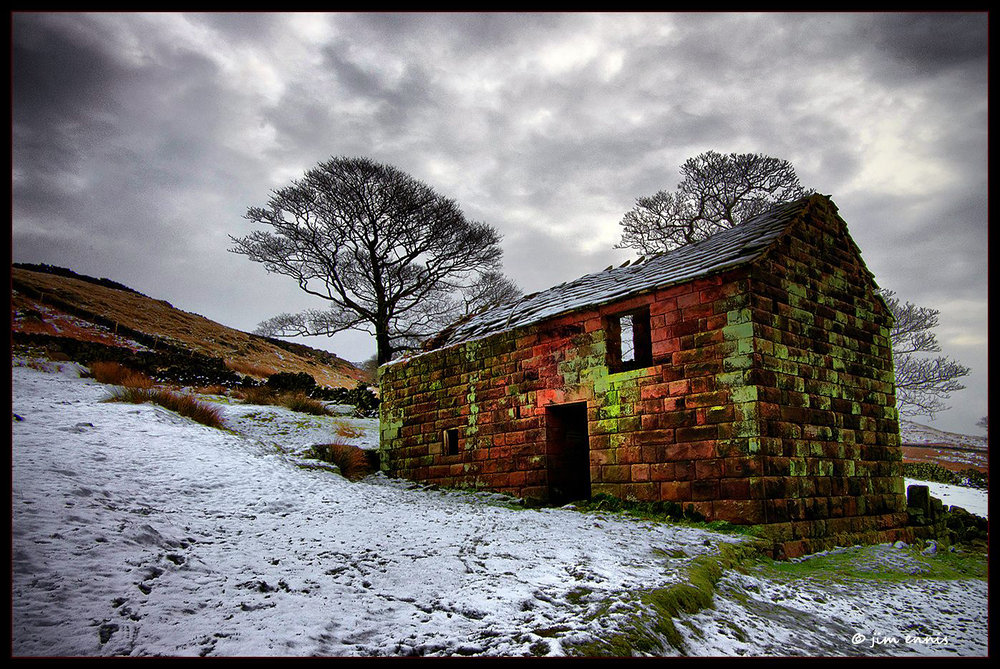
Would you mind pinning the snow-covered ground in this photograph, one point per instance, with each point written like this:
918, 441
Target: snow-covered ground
970, 499
137, 532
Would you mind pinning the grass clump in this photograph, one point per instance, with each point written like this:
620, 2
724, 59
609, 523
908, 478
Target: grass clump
296, 401
659, 511
304, 404
880, 563
261, 395
346, 431
116, 374
215, 389
185, 405
353, 462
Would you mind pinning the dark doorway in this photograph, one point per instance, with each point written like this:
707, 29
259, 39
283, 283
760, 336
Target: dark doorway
568, 451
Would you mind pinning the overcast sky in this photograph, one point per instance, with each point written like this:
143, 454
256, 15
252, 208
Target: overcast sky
139, 140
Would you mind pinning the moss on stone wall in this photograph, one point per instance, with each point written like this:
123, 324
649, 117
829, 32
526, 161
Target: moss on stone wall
769, 397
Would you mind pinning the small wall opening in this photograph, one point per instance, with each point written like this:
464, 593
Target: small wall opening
629, 342
450, 439
568, 452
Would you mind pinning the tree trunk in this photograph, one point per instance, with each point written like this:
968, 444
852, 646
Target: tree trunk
384, 347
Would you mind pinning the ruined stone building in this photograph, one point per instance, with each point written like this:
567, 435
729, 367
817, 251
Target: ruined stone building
748, 376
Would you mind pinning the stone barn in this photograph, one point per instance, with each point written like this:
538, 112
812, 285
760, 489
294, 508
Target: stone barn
748, 376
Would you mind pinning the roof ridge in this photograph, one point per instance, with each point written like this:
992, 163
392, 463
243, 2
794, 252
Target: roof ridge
721, 251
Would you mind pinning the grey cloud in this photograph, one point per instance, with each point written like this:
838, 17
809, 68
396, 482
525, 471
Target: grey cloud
245, 27
55, 75
933, 41
462, 32
138, 169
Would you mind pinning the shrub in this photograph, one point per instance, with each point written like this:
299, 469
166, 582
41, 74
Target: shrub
353, 462
291, 381
185, 405
301, 403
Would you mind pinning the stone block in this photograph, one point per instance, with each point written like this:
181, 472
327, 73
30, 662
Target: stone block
918, 497
704, 489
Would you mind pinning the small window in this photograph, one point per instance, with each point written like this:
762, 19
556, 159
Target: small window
629, 344
626, 338
450, 442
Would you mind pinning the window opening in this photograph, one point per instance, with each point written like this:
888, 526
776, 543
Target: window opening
451, 442
629, 341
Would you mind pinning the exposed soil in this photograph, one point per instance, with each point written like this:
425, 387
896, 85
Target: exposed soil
949, 457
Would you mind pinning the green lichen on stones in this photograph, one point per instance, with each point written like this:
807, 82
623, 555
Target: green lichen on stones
651, 630
737, 331
744, 394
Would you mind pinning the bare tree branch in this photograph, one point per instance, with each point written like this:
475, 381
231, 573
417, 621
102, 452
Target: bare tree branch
922, 384
388, 253
717, 192
492, 289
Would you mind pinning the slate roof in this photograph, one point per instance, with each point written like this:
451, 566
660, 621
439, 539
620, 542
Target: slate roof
722, 251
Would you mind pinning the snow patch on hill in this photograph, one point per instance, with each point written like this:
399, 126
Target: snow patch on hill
915, 433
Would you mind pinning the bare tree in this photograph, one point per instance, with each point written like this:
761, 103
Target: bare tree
922, 383
390, 255
984, 423
717, 192
492, 289
370, 367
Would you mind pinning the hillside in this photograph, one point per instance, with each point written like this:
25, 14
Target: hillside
949, 449
918, 435
88, 319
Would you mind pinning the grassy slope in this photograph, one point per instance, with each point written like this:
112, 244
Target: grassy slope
180, 328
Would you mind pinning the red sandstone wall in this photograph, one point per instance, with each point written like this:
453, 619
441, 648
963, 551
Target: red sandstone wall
769, 398
654, 432
830, 434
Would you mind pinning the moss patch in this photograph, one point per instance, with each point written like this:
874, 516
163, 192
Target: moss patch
881, 562
651, 629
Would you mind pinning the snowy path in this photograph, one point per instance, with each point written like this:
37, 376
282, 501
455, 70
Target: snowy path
137, 532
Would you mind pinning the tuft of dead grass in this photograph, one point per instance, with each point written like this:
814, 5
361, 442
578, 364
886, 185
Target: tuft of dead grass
116, 374
353, 462
303, 404
300, 402
249, 369
348, 431
185, 405
257, 395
